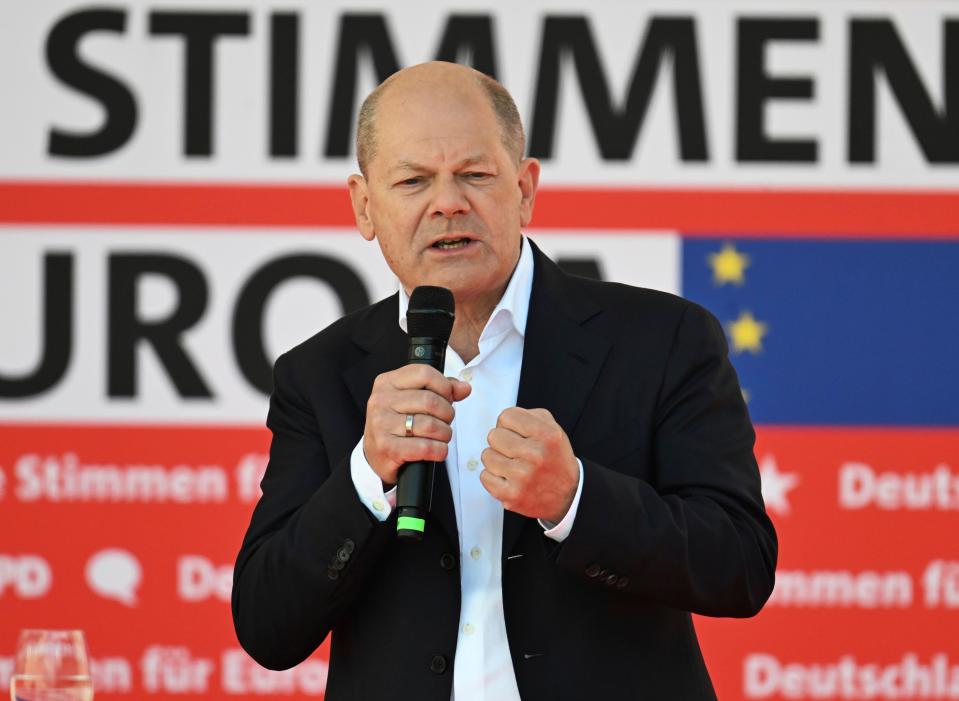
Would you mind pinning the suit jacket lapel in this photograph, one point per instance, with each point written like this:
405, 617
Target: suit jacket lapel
382, 347
561, 359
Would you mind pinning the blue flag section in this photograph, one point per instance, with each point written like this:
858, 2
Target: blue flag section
836, 332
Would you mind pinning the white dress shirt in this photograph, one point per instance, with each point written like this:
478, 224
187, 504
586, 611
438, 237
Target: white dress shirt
483, 668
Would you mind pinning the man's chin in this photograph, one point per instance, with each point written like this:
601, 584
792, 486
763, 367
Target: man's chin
465, 286
460, 290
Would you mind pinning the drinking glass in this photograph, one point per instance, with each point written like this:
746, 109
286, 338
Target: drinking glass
51, 665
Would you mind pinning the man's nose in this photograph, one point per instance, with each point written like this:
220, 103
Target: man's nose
449, 199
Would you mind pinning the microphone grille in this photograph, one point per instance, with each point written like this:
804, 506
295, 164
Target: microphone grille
430, 313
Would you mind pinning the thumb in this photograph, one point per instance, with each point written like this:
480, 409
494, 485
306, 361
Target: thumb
461, 390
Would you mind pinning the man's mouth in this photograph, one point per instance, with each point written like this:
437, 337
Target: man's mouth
448, 244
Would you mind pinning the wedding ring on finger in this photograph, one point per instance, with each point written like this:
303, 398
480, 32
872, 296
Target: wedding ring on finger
409, 425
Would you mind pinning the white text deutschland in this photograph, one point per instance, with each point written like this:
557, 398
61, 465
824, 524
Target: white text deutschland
861, 486
910, 677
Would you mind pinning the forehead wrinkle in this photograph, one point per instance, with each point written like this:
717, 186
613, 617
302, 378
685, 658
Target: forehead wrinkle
405, 164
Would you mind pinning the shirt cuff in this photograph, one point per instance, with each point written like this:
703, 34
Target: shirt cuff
369, 486
559, 531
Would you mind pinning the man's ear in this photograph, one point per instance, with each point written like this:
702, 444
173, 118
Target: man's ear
359, 196
528, 182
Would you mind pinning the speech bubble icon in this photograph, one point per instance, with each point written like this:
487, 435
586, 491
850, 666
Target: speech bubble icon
114, 574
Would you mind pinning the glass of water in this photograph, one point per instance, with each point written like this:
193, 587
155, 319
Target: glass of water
51, 665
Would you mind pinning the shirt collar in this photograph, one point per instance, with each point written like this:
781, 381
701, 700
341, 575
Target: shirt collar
513, 306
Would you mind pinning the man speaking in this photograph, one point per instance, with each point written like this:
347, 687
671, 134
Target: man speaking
599, 482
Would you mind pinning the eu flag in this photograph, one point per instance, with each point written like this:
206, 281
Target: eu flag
836, 332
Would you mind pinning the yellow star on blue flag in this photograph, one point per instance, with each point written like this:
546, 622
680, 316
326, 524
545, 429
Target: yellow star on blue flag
729, 265
747, 333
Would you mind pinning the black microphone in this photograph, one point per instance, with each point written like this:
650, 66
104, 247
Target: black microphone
429, 321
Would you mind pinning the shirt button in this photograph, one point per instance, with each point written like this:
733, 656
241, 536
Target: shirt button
476, 553
467, 375
378, 505
472, 463
468, 629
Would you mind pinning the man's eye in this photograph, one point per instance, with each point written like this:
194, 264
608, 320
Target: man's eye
476, 175
411, 181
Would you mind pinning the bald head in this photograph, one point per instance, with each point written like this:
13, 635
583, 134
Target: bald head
439, 77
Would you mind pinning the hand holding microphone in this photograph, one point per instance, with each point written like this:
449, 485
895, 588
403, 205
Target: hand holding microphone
418, 391
409, 412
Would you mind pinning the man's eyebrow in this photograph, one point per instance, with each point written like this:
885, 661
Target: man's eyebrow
473, 160
407, 165
418, 167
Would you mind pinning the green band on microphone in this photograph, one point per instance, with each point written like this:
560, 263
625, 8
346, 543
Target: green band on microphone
410, 523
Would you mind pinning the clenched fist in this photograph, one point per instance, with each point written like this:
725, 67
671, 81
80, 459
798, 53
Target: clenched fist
417, 390
530, 466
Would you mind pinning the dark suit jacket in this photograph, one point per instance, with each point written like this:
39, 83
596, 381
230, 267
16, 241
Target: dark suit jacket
670, 521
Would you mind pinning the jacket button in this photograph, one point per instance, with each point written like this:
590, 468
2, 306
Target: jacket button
611, 580
622, 583
447, 562
438, 664
332, 573
337, 565
593, 570
343, 554
349, 546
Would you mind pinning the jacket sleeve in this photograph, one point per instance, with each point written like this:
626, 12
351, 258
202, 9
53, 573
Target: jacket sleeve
310, 542
696, 536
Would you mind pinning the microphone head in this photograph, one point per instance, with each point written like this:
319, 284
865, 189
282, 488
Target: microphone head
430, 313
